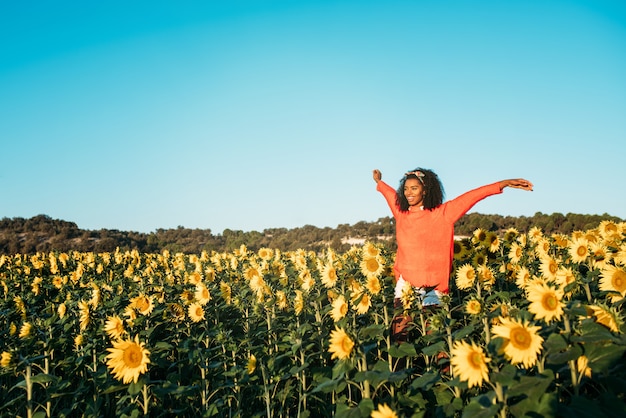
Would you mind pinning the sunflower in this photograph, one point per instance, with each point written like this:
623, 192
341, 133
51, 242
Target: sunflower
226, 292
329, 276
565, 276
486, 275
605, 316
373, 285
522, 277
83, 309
281, 300
341, 344
582, 365
535, 234
143, 304
62, 310
339, 308
370, 250
372, 266
128, 359
510, 234
469, 363
515, 253
548, 267
5, 359
25, 330
493, 242
521, 344
265, 254
251, 366
177, 312
202, 295
78, 341
473, 307
465, 276
196, 312
613, 279
306, 279
545, 302
298, 302
608, 228
600, 255
459, 250
479, 236
114, 327
383, 411
542, 247
364, 303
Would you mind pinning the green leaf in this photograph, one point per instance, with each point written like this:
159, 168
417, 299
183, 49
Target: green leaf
402, 350
434, 349
555, 343
481, 407
532, 386
562, 357
371, 331
602, 357
545, 406
506, 376
426, 381
463, 332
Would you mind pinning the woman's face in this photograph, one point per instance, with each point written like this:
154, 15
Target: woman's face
414, 192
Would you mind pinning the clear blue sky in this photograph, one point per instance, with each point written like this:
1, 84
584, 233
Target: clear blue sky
247, 115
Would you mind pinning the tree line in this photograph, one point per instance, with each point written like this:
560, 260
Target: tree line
43, 234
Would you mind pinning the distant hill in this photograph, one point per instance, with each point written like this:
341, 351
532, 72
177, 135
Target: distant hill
42, 234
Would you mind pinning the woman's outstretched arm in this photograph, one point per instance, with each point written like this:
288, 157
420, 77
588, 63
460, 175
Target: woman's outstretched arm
517, 184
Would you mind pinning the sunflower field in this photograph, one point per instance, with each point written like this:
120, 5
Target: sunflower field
533, 326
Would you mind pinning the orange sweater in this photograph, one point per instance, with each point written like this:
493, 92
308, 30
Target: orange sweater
426, 238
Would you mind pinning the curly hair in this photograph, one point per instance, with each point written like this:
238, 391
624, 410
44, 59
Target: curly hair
432, 185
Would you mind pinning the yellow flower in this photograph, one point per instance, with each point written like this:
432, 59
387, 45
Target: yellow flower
522, 277
469, 363
486, 275
78, 341
578, 250
582, 364
549, 267
114, 327
143, 304
196, 313
370, 250
329, 276
226, 292
521, 344
265, 253
545, 301
281, 300
373, 285
5, 360
600, 255
479, 236
613, 279
535, 233
515, 253
341, 344
364, 303
383, 411
494, 242
372, 266
473, 307
608, 228
298, 302
61, 310
128, 359
606, 316
465, 276
251, 367
339, 308
176, 311
202, 294
83, 309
